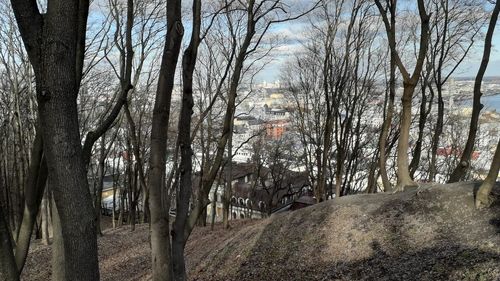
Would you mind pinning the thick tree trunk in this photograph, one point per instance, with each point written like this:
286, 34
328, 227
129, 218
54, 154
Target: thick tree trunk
52, 46
424, 112
159, 209
464, 164
68, 174
179, 236
482, 196
29, 217
373, 175
404, 179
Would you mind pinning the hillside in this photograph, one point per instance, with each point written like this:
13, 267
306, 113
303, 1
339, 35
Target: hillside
433, 233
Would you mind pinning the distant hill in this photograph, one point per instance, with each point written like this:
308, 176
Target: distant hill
433, 233
472, 78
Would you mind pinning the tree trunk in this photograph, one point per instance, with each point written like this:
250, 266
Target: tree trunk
438, 130
68, 174
373, 175
184, 142
386, 126
209, 178
424, 112
100, 183
113, 211
58, 255
482, 196
44, 208
159, 210
410, 82
404, 179
35, 187
214, 209
52, 45
8, 269
464, 164
228, 187
338, 175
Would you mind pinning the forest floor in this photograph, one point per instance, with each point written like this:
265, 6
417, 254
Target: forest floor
432, 233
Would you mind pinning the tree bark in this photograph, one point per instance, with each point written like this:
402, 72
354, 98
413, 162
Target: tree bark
44, 208
159, 210
384, 134
179, 235
8, 269
424, 112
214, 210
438, 130
228, 187
58, 255
383, 146
100, 184
52, 46
404, 179
35, 187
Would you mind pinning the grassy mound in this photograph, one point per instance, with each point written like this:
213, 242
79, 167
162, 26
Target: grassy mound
432, 233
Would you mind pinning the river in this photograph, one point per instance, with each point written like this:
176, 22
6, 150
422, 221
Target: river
490, 102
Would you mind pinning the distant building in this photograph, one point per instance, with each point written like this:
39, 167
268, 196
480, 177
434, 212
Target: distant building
276, 128
249, 198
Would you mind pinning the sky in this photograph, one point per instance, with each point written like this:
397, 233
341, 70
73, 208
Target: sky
293, 33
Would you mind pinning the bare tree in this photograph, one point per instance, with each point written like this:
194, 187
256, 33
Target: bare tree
454, 26
464, 164
332, 100
158, 205
275, 159
258, 17
55, 43
388, 11
184, 142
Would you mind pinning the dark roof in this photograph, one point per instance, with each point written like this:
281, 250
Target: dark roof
246, 117
306, 199
256, 122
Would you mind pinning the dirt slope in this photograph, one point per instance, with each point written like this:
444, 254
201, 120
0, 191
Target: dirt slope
433, 233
